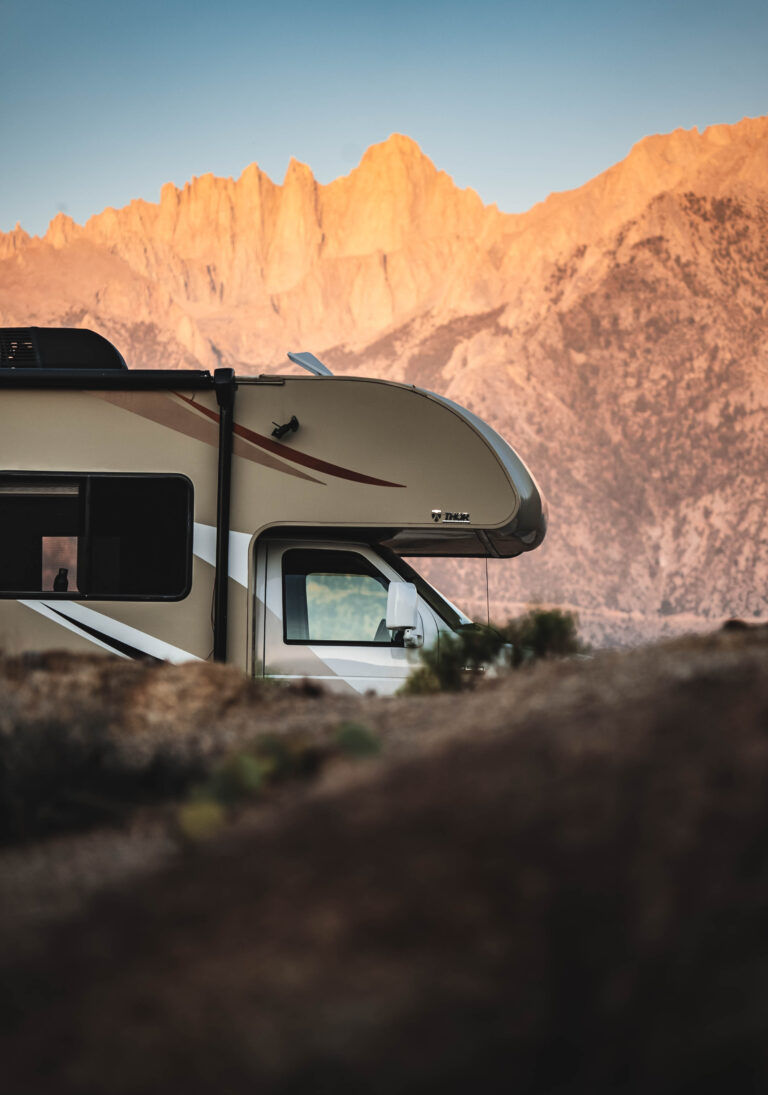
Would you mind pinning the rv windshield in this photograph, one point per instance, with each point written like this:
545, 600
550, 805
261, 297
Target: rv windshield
448, 612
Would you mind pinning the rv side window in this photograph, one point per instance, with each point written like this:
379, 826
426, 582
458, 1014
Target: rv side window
110, 537
333, 597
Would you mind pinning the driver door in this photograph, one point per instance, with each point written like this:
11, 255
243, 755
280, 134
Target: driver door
324, 618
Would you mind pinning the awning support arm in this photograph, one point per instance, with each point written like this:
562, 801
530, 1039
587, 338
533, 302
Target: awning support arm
224, 384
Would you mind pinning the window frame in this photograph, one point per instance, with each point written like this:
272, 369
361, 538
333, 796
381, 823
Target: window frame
395, 642
82, 477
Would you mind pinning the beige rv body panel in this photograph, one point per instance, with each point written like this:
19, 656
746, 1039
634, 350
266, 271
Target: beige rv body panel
393, 454
367, 454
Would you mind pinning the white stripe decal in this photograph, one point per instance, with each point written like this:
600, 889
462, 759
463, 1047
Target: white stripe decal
204, 546
113, 629
38, 606
387, 660
382, 686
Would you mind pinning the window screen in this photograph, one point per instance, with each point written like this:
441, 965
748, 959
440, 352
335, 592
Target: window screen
100, 536
333, 597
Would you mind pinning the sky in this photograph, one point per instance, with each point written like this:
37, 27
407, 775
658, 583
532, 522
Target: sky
103, 102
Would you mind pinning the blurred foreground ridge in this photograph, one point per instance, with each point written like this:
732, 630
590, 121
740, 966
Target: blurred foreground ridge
557, 882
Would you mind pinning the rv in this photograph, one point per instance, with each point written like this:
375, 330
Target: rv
264, 521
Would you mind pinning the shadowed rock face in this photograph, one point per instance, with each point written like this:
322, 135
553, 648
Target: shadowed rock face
574, 904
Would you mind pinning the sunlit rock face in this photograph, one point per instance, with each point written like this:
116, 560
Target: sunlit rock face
615, 333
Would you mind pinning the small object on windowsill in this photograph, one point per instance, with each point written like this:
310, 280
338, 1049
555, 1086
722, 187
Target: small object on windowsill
61, 581
287, 427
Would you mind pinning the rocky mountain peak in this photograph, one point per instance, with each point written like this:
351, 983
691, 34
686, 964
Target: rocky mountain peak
618, 333
13, 242
396, 148
62, 231
298, 174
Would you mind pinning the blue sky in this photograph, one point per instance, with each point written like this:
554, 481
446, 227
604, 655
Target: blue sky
101, 103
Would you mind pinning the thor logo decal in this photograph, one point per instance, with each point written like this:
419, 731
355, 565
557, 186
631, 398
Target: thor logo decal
450, 517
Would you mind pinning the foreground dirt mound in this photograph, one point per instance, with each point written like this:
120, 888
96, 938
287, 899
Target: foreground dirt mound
564, 890
83, 740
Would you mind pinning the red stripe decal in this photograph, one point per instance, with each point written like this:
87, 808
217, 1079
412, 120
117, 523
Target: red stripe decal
289, 454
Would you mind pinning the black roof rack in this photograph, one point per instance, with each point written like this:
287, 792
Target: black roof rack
77, 359
56, 348
110, 380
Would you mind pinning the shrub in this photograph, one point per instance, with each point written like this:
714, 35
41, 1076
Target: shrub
353, 739
243, 776
200, 819
239, 776
459, 660
542, 633
421, 681
455, 661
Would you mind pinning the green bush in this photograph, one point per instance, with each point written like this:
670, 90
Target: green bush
354, 739
460, 659
455, 662
421, 681
239, 776
244, 776
542, 633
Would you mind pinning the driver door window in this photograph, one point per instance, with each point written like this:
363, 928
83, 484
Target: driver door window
333, 597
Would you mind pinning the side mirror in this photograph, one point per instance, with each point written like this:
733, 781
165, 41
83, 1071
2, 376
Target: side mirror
403, 612
402, 605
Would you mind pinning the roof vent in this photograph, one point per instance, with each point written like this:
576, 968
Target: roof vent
56, 348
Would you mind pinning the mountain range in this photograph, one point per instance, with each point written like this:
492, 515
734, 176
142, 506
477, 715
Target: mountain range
615, 334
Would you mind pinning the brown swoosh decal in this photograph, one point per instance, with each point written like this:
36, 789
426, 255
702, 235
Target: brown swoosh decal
183, 420
296, 457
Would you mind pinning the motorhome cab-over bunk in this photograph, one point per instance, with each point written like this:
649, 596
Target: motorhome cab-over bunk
263, 521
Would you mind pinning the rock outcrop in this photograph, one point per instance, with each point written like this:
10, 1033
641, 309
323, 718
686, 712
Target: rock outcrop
615, 333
